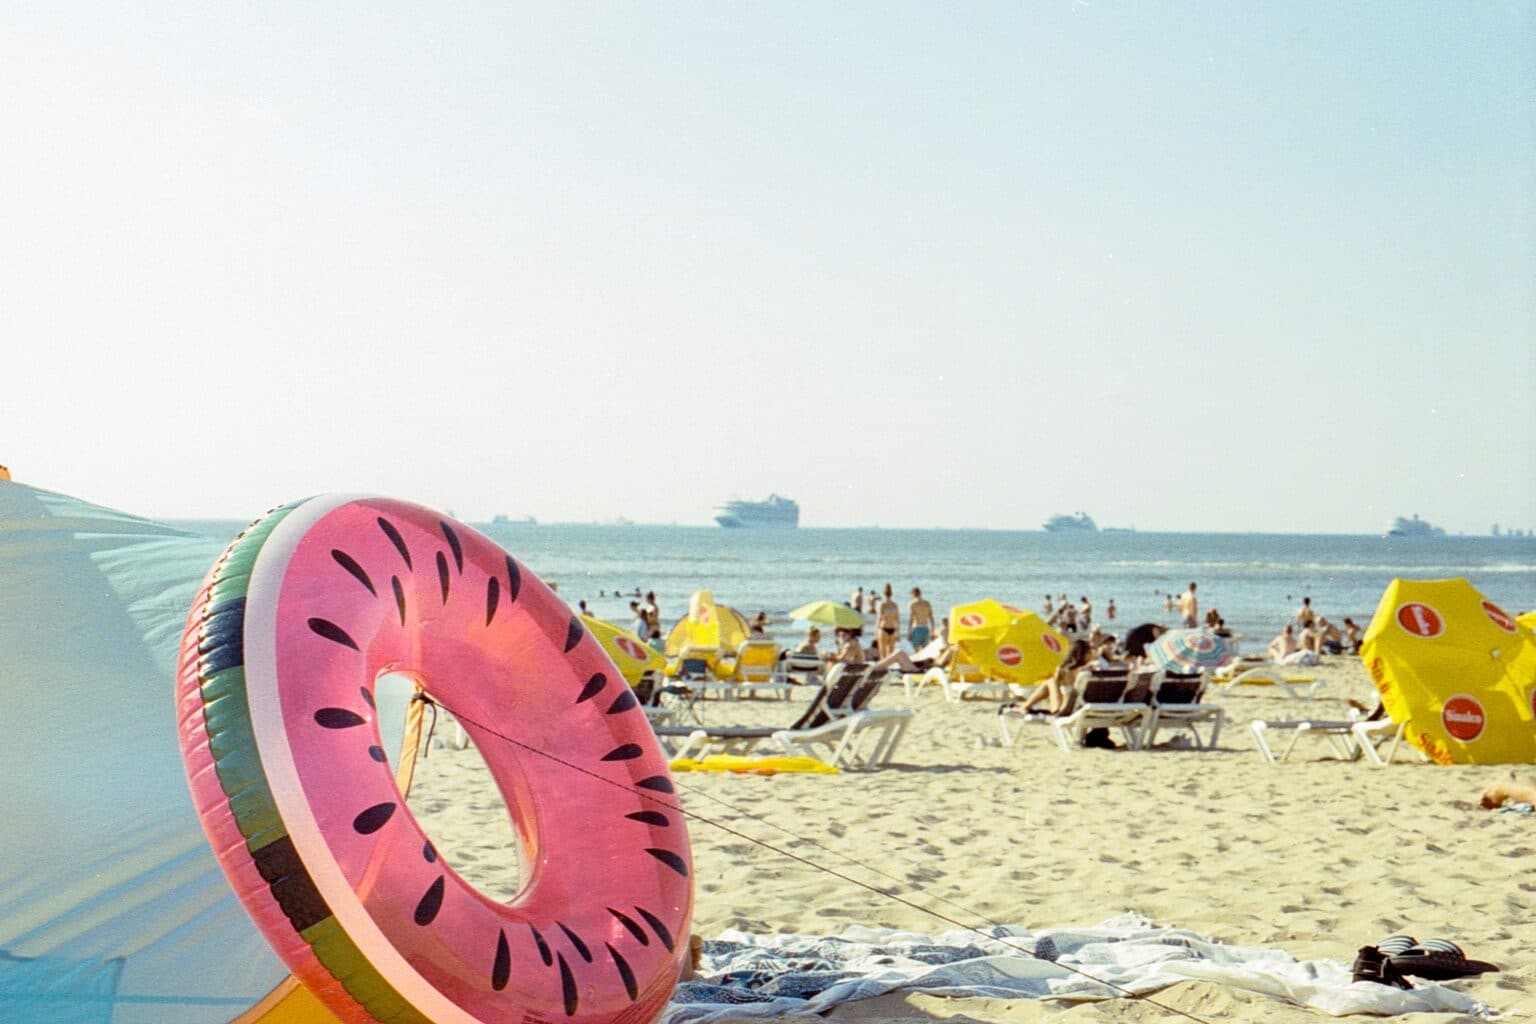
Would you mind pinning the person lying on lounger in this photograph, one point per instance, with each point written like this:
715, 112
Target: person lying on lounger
1056, 691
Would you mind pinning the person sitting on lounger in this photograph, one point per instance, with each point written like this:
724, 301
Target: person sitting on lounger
850, 649
1056, 691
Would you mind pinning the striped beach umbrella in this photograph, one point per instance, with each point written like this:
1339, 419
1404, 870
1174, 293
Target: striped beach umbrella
1186, 650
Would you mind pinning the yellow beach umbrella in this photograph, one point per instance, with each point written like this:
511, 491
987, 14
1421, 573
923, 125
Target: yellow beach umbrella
829, 613
1528, 620
1009, 643
630, 654
707, 624
1457, 669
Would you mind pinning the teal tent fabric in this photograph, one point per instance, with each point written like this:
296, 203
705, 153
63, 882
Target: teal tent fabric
113, 909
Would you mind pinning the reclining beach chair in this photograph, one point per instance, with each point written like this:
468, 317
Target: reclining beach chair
800, 669
1351, 738
694, 663
835, 693
854, 736
756, 671
1263, 672
1178, 703
1101, 702
1011, 721
1340, 734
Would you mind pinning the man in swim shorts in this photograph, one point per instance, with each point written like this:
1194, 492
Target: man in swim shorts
919, 619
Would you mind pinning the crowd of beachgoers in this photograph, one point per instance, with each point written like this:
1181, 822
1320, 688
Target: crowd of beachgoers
1304, 639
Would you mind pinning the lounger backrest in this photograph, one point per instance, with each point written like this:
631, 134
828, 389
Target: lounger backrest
866, 689
815, 711
842, 680
1180, 688
756, 659
1094, 689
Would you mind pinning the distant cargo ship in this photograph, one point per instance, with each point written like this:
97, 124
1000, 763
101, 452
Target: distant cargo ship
1080, 523
1414, 527
502, 520
773, 511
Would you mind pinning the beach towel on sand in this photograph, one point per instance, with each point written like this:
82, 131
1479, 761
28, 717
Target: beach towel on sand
769, 976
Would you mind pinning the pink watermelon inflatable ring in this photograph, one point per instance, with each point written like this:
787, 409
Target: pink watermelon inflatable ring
303, 612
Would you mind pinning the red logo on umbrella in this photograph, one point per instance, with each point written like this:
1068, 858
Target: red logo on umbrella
1463, 718
970, 620
630, 647
704, 615
1499, 616
1420, 620
1009, 655
1051, 643
1533, 701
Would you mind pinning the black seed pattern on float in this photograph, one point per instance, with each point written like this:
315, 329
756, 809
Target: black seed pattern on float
338, 718
656, 784
544, 953
670, 859
514, 579
662, 931
492, 598
501, 970
594, 685
631, 926
576, 943
453, 543
431, 902
625, 974
649, 818
332, 632
395, 585
442, 575
397, 540
373, 819
567, 986
349, 563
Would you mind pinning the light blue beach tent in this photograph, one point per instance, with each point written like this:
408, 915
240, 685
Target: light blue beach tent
113, 909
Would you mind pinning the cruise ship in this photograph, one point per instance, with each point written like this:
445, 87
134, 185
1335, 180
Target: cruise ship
1080, 523
1414, 527
773, 511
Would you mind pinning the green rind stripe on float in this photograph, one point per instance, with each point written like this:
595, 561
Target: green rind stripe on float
237, 764
357, 975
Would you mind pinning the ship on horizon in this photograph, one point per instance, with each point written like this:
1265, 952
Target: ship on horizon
773, 511
1414, 527
1082, 522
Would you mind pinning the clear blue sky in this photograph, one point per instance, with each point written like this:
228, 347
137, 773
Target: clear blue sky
1184, 266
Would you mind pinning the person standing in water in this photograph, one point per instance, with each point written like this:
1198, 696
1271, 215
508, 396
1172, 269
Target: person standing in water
1189, 608
919, 619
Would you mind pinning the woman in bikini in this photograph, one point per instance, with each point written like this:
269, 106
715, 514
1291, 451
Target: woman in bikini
887, 624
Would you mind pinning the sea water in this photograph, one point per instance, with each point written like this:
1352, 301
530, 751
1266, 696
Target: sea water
1255, 581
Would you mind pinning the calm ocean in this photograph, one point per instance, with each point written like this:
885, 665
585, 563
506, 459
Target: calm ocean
1254, 580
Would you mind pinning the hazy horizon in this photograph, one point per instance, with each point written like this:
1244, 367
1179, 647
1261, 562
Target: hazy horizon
1189, 267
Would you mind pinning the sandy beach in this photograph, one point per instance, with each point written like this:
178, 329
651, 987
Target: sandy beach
1314, 856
